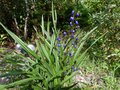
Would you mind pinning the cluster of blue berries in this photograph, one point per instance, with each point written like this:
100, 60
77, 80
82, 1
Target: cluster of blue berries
74, 25
73, 19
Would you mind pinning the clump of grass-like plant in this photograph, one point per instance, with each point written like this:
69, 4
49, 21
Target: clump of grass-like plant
56, 58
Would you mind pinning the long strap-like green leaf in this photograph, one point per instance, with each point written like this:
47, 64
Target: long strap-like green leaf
18, 40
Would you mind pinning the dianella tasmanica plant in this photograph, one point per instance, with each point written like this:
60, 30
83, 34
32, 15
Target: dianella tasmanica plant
56, 59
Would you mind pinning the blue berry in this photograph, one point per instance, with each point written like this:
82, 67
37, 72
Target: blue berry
58, 39
58, 45
64, 45
76, 22
77, 14
72, 36
73, 12
72, 31
71, 24
64, 33
70, 54
72, 18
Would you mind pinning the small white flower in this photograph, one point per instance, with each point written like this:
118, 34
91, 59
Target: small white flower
32, 47
18, 47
